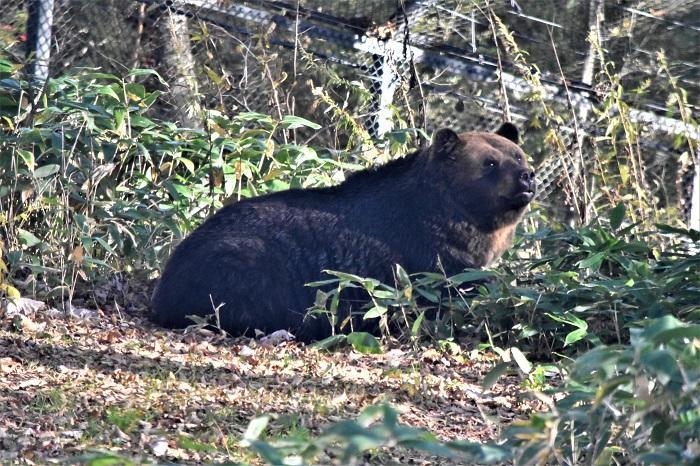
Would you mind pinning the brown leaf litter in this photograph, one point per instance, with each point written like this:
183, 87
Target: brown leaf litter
115, 382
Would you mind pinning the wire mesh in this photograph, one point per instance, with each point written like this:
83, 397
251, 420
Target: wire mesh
435, 61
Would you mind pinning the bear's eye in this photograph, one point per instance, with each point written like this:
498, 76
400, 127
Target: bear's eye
490, 163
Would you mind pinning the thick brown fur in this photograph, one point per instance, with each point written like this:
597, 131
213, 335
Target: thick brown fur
453, 205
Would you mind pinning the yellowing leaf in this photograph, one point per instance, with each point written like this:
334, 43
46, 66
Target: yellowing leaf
78, 254
624, 173
9, 291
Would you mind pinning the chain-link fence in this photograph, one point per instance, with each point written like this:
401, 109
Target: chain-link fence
425, 63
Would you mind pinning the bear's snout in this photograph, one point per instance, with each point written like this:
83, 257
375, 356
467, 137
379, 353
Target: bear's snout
526, 180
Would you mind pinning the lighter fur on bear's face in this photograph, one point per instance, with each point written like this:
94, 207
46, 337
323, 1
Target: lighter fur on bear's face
485, 184
480, 150
483, 171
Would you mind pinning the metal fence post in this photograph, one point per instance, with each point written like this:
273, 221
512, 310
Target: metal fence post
39, 24
386, 81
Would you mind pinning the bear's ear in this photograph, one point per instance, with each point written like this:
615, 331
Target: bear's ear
444, 140
509, 131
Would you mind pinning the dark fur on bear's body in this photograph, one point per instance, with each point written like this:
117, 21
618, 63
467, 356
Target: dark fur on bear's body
458, 200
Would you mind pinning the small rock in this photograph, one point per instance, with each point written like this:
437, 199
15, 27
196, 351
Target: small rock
76, 434
159, 446
73, 311
246, 351
23, 306
277, 337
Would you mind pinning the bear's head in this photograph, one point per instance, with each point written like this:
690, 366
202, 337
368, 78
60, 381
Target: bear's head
485, 174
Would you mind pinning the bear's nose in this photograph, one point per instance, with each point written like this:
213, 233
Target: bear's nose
526, 175
527, 179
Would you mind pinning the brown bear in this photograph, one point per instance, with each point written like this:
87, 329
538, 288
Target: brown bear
452, 205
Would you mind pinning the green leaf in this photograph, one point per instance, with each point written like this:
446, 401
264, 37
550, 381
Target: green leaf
119, 118
694, 235
136, 89
294, 122
660, 362
364, 342
373, 413
384, 294
347, 429
472, 276
485, 454
256, 427
576, 335
592, 262
494, 374
146, 72
376, 311
322, 282
416, 325
329, 343
345, 276
521, 360
570, 319
605, 458
403, 277
254, 116
430, 295
526, 332
11, 84
428, 445
617, 215
268, 453
99, 76
108, 91
141, 122
662, 324
397, 136
600, 359
177, 190
46, 170
27, 239
105, 245
27, 157
150, 98
189, 165
679, 333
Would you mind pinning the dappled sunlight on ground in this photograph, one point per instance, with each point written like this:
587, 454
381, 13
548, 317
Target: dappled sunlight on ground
124, 385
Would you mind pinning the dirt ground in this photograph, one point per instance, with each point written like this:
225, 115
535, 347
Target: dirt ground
112, 381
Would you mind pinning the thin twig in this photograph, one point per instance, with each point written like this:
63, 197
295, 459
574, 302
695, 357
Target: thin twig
504, 93
581, 176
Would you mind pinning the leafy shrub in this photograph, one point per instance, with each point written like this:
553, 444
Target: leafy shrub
624, 306
589, 286
90, 183
630, 403
633, 403
347, 441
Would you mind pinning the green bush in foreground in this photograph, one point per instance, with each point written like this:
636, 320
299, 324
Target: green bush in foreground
625, 308
636, 402
622, 404
588, 287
